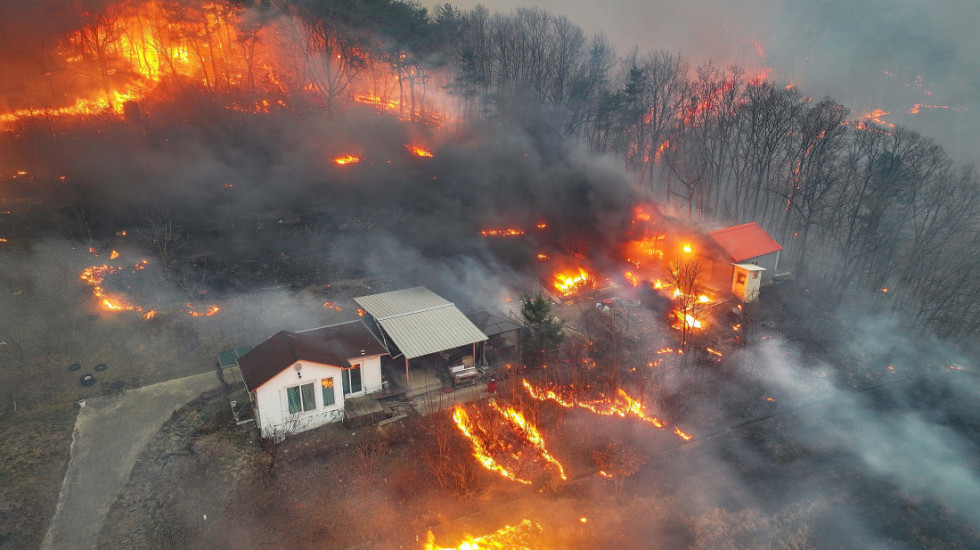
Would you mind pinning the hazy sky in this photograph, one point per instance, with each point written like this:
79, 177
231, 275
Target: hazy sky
888, 54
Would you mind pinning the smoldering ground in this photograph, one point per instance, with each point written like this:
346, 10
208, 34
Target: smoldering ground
886, 462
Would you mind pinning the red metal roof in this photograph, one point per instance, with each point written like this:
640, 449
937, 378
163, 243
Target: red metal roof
746, 241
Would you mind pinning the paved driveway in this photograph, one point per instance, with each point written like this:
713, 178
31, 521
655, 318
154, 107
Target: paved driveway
109, 434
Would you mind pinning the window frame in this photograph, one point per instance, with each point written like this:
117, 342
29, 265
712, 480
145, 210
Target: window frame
347, 380
302, 399
324, 392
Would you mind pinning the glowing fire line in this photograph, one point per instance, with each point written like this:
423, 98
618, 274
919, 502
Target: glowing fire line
509, 537
622, 406
487, 449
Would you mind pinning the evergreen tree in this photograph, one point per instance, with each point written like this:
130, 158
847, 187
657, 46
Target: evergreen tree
546, 331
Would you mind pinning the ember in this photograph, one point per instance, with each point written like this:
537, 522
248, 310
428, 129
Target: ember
501, 232
209, 312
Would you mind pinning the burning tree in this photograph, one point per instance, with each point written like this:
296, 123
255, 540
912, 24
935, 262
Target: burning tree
546, 331
684, 276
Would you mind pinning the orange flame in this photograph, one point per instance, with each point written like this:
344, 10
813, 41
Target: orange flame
568, 283
506, 538
95, 276
349, 159
209, 312
623, 405
877, 116
482, 444
490, 450
501, 232
418, 151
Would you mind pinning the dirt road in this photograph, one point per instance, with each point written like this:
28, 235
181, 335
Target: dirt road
109, 434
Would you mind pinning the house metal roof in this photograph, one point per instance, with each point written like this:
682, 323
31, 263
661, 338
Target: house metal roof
420, 321
492, 324
332, 345
746, 241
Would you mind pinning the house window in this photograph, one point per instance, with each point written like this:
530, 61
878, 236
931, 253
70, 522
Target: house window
352, 379
301, 398
328, 397
755, 274
740, 280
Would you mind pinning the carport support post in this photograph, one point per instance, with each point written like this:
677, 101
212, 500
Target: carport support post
406, 373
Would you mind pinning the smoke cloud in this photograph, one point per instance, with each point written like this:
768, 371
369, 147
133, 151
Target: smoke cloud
866, 55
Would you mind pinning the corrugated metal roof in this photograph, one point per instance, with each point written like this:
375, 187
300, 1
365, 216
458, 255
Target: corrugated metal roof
492, 324
420, 321
400, 302
746, 241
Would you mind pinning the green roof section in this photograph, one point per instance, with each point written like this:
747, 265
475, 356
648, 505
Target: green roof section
229, 358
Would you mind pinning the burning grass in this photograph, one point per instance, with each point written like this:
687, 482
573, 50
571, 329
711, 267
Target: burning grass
508, 448
509, 537
621, 405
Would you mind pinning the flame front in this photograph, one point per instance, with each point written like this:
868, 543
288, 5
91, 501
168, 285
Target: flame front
491, 450
509, 537
507, 232
95, 276
482, 444
623, 405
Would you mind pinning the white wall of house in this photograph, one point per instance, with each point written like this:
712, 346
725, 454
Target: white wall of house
272, 399
769, 261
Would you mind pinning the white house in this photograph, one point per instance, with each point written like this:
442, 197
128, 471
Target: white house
301, 380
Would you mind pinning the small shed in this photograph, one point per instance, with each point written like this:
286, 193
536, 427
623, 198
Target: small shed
419, 322
747, 244
746, 281
297, 381
503, 333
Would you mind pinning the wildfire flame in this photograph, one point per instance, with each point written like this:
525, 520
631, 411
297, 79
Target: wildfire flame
622, 405
490, 450
207, 313
418, 151
877, 116
568, 283
509, 537
95, 276
348, 159
509, 232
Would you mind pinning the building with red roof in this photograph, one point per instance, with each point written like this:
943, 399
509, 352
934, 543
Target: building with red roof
754, 257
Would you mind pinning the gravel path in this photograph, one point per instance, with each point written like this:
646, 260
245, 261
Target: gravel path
109, 434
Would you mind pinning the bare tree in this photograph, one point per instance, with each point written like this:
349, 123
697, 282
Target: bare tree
161, 233
684, 276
